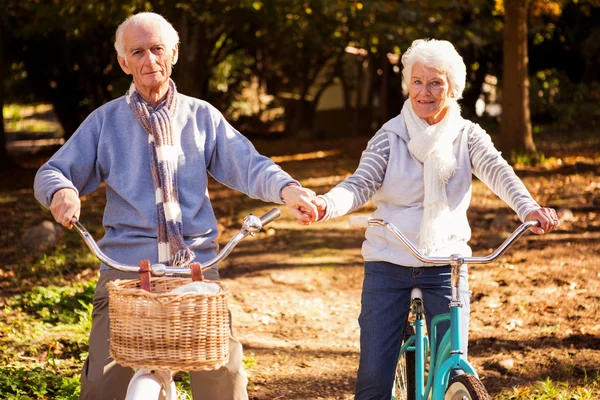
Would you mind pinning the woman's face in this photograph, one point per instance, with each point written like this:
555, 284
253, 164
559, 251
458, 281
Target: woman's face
428, 91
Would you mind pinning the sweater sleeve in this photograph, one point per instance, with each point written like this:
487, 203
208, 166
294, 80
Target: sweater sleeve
73, 166
358, 188
493, 170
235, 163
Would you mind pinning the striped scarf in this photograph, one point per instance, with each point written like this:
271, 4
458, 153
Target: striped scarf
163, 151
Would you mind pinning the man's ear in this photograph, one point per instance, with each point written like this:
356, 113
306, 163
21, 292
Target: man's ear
123, 64
175, 55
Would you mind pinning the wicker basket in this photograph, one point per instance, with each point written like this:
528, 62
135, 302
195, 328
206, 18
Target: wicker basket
166, 331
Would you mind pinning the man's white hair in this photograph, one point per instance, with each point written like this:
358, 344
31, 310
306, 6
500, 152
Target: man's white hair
167, 32
440, 55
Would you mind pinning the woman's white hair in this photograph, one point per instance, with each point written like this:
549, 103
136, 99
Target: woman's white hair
440, 55
167, 32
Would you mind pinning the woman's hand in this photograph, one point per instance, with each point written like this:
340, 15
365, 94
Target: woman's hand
547, 218
321, 204
65, 205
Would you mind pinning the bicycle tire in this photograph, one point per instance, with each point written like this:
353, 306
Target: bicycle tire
404, 381
466, 387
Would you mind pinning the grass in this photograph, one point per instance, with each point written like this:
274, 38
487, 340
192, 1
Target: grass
26, 382
43, 341
549, 390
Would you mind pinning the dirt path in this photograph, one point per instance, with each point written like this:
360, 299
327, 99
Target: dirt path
296, 291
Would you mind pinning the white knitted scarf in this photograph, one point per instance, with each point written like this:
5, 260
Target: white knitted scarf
433, 146
163, 153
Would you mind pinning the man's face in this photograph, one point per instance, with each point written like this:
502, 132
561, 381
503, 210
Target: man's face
147, 58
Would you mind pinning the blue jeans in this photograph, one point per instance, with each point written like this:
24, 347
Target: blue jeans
385, 304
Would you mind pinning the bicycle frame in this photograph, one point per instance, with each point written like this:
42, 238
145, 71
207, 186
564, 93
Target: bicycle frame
446, 358
449, 356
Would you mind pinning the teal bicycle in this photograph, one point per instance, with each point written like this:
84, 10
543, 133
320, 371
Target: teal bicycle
450, 375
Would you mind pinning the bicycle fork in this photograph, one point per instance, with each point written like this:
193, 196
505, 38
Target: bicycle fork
421, 348
147, 384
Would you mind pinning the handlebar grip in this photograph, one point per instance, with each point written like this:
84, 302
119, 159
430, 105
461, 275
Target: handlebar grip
359, 221
270, 216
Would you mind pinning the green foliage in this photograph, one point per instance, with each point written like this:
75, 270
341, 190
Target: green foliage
70, 64
556, 100
55, 265
34, 119
52, 323
294, 49
527, 159
182, 382
249, 361
548, 390
44, 333
54, 304
18, 382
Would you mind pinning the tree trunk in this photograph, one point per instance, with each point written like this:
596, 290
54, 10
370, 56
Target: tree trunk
348, 112
190, 72
476, 80
367, 120
5, 161
516, 136
359, 100
383, 91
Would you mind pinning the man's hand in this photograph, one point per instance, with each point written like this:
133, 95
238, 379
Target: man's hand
299, 201
65, 205
547, 218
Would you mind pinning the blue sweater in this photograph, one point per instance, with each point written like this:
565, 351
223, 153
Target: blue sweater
111, 146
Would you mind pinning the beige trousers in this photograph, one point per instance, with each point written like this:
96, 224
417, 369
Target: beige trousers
103, 379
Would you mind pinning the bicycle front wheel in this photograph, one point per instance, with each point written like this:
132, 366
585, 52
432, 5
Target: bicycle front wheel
466, 387
404, 383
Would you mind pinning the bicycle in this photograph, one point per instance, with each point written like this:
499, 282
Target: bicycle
450, 375
153, 378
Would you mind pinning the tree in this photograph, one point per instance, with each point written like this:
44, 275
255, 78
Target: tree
516, 134
210, 31
67, 52
5, 161
298, 53
73, 64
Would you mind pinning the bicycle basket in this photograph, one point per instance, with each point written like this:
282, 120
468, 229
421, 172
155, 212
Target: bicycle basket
168, 331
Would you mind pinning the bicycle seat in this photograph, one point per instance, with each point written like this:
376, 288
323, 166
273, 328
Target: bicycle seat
416, 294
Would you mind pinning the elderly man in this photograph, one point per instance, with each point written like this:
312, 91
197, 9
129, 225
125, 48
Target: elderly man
153, 148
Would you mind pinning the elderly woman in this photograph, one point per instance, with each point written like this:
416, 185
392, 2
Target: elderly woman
153, 149
417, 169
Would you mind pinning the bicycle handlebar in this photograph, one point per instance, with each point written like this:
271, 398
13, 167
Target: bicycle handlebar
363, 221
270, 216
250, 226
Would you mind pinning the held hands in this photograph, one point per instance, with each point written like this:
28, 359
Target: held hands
306, 206
547, 218
65, 205
299, 201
